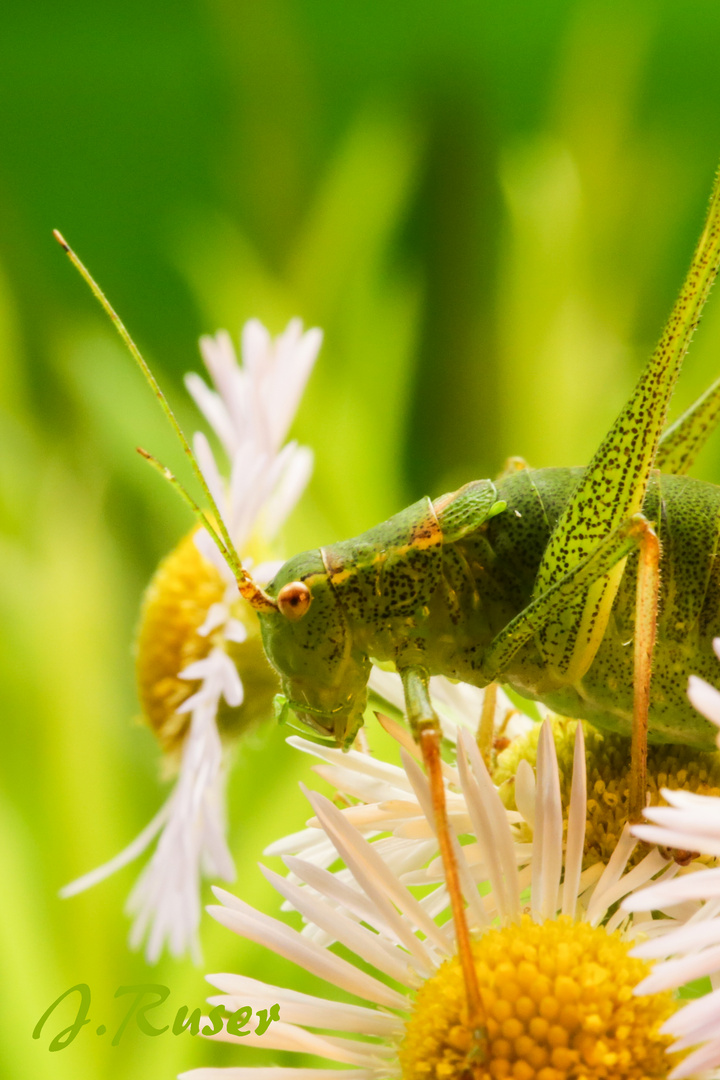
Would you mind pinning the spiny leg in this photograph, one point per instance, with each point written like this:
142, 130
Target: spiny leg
493, 662
426, 729
614, 484
646, 608
683, 440
635, 533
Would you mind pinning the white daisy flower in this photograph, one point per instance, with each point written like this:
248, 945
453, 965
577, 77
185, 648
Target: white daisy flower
385, 799
552, 960
689, 946
386, 809
199, 658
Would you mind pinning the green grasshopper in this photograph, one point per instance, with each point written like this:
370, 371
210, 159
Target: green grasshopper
548, 581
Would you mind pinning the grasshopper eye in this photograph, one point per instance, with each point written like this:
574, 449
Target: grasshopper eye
294, 600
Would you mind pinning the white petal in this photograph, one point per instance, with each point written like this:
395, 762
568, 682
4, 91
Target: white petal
362, 942
208, 549
492, 846
685, 938
705, 884
296, 359
352, 899
235, 631
255, 344
282, 1036
372, 874
221, 362
525, 792
684, 841
301, 841
214, 410
705, 698
199, 669
127, 855
689, 799
217, 614
510, 853
165, 900
703, 818
673, 973
276, 1072
611, 875
299, 1008
287, 491
577, 818
363, 764
355, 783
204, 696
232, 687
646, 869
210, 471
693, 1016
285, 941
704, 1058
547, 838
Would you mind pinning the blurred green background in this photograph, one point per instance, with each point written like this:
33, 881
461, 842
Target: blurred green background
487, 207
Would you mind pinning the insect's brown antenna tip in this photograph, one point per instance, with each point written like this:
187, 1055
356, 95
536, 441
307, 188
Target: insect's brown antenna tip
61, 241
156, 464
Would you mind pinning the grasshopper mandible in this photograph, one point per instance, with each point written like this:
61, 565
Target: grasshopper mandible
546, 580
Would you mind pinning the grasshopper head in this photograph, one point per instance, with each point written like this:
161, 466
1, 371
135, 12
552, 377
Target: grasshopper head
309, 643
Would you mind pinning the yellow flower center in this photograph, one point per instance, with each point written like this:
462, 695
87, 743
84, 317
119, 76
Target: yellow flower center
608, 773
175, 606
557, 1003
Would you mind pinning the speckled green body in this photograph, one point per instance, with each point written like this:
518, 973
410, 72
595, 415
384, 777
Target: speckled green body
534, 582
425, 588
686, 513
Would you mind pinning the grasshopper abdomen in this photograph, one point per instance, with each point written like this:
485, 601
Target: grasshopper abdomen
686, 515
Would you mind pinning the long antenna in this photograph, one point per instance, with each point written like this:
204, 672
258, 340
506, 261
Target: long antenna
187, 499
248, 589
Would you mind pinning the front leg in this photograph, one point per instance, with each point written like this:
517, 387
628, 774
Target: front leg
425, 727
646, 611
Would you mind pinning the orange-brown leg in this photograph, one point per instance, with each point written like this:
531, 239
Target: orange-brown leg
646, 608
426, 729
